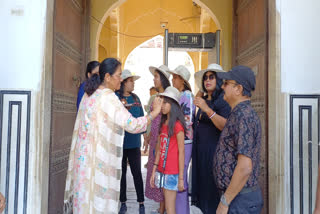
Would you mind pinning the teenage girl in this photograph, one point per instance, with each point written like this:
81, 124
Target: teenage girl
168, 167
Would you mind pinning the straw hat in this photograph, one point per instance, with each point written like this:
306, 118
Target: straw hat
172, 93
183, 72
198, 76
163, 69
127, 74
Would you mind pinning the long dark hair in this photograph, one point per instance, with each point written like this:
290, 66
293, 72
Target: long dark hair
91, 66
107, 66
164, 81
121, 91
186, 87
218, 90
175, 114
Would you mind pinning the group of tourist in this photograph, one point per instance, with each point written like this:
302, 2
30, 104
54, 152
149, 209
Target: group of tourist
216, 130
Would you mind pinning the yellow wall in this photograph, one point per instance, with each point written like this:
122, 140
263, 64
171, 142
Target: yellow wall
222, 13
145, 20
143, 17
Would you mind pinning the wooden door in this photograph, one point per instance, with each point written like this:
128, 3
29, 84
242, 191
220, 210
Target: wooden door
250, 33
70, 41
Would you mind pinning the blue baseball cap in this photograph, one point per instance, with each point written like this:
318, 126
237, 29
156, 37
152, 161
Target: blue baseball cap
243, 75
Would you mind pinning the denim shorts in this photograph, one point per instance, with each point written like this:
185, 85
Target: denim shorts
169, 182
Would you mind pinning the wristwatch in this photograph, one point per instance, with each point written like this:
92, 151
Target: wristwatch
223, 200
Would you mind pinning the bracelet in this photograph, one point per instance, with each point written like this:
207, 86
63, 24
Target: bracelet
155, 164
212, 115
150, 117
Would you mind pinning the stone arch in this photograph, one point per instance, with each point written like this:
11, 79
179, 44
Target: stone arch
149, 53
99, 19
213, 16
223, 19
220, 12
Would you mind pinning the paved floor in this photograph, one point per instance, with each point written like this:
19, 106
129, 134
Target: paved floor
132, 203
150, 205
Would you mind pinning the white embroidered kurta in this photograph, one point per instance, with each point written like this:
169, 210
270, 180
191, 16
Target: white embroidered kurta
94, 172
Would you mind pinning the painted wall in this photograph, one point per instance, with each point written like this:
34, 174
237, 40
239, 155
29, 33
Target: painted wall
145, 20
22, 45
300, 55
22, 40
220, 10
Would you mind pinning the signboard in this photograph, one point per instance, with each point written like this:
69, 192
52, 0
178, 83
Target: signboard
191, 40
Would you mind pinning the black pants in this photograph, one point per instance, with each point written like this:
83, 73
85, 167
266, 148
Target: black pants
134, 157
247, 203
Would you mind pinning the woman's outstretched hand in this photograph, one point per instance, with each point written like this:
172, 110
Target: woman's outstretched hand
157, 103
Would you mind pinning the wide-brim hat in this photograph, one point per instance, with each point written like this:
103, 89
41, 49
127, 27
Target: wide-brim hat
198, 76
163, 69
183, 72
172, 93
127, 74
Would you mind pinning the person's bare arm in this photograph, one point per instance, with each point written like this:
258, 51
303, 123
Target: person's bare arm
2, 203
145, 143
217, 120
239, 179
180, 139
317, 208
156, 163
199, 94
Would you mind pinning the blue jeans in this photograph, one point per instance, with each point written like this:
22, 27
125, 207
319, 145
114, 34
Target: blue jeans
247, 203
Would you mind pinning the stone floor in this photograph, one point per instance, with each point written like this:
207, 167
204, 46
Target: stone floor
150, 205
132, 203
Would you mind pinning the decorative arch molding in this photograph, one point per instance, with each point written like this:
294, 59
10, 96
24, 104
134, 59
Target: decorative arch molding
213, 16
96, 32
224, 25
220, 17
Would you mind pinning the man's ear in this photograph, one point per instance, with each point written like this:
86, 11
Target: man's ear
239, 89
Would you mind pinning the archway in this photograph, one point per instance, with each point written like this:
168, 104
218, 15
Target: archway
223, 11
243, 41
200, 18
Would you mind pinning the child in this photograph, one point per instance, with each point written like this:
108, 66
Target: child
168, 168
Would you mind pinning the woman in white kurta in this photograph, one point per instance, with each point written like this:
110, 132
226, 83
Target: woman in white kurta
93, 178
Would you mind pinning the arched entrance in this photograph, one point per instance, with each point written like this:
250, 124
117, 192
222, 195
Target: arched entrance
121, 30
150, 53
244, 41
244, 33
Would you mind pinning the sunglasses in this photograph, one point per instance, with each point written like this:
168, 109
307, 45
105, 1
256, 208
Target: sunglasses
210, 77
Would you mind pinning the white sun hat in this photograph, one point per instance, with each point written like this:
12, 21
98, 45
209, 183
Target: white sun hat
163, 69
172, 93
183, 72
127, 74
198, 76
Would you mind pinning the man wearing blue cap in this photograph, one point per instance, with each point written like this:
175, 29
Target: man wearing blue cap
237, 160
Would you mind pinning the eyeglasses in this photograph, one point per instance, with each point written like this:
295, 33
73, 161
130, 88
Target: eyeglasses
210, 77
225, 83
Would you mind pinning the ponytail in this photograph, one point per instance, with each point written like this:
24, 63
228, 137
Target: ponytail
107, 66
92, 84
